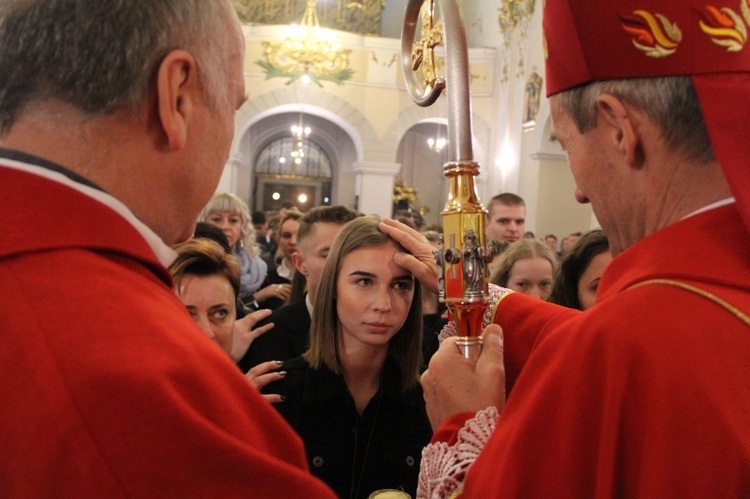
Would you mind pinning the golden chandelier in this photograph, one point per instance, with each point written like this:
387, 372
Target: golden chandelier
307, 52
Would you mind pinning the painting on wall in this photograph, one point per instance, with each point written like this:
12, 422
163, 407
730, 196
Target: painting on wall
532, 95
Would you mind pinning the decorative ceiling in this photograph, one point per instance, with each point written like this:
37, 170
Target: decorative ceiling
356, 16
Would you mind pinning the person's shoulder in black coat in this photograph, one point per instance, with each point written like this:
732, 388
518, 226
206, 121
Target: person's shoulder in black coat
288, 338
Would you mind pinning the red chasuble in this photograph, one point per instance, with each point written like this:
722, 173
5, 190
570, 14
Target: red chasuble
108, 388
647, 394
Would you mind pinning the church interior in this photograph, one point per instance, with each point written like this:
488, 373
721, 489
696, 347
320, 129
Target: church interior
329, 120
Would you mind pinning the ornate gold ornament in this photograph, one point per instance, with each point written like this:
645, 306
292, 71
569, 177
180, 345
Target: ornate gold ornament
423, 50
401, 192
514, 13
462, 257
355, 16
514, 16
308, 52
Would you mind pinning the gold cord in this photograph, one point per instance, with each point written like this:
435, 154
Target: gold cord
705, 294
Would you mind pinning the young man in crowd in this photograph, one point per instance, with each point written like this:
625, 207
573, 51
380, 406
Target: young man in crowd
506, 218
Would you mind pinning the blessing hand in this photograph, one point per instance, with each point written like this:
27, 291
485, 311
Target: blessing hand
420, 260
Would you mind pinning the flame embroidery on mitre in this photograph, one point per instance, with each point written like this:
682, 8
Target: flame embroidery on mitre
725, 27
654, 34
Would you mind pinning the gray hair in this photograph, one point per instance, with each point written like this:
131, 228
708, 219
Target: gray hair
671, 102
102, 56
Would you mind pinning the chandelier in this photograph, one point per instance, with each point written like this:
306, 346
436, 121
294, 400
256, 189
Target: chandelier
307, 52
299, 132
437, 143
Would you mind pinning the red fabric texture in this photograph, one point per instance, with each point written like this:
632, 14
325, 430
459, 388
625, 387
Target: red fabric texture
590, 40
108, 387
725, 101
647, 394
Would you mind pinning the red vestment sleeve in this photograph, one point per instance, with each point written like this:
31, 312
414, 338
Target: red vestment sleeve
625, 401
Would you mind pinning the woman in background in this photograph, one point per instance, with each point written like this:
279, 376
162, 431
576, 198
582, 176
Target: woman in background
281, 275
577, 281
528, 267
207, 279
354, 397
232, 216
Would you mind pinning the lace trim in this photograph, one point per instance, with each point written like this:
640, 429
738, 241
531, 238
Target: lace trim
444, 467
496, 293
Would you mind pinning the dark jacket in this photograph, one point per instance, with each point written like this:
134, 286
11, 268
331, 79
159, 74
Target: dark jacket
273, 277
287, 339
356, 455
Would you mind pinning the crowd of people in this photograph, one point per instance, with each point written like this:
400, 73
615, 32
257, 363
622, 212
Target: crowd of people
141, 355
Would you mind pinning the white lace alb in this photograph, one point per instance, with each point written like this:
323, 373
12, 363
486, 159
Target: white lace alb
444, 467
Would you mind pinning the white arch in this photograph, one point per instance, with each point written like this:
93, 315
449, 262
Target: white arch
436, 114
319, 103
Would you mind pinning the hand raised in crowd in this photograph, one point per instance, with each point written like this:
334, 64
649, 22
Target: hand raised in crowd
280, 291
454, 384
420, 260
244, 334
260, 375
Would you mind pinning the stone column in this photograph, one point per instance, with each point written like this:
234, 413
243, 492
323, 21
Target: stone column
374, 186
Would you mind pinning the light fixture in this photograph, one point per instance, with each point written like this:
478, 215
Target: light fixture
299, 132
307, 52
438, 143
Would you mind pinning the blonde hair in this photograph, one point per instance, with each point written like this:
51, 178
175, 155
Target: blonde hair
225, 202
325, 332
522, 249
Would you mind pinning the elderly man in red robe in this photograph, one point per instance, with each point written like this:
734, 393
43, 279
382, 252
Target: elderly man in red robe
116, 120
647, 394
